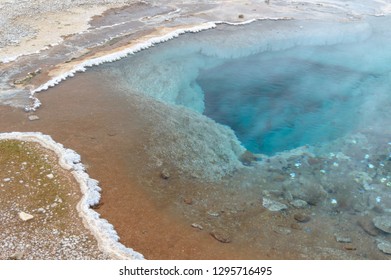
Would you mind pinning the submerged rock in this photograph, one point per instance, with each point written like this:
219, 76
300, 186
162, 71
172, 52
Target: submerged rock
221, 237
366, 224
165, 174
302, 218
298, 203
343, 239
272, 205
312, 193
33, 118
383, 223
385, 247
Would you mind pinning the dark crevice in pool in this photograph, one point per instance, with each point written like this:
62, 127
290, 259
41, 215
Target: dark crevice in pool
277, 103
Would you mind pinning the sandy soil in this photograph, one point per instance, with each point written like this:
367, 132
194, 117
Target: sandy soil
32, 182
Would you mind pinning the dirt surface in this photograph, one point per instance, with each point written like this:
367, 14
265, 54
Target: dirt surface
33, 184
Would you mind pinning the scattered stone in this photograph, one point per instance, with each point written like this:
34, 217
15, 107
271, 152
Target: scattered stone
6, 180
302, 218
165, 174
298, 203
25, 216
343, 239
188, 201
296, 226
385, 247
41, 210
310, 192
213, 214
282, 230
16, 256
366, 224
58, 199
33, 118
383, 223
221, 237
194, 225
240, 16
50, 176
272, 205
350, 247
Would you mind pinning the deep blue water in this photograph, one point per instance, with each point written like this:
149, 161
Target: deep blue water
278, 85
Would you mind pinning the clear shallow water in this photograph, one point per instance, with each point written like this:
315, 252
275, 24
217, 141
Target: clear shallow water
277, 85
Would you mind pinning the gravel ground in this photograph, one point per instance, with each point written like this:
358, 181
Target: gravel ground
12, 28
32, 182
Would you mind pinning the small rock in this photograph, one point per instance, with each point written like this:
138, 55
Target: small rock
41, 210
194, 225
33, 118
310, 192
282, 230
6, 180
16, 256
296, 226
272, 205
385, 247
350, 247
240, 16
25, 216
188, 201
50, 176
221, 237
165, 174
383, 223
366, 224
343, 239
298, 203
213, 214
302, 218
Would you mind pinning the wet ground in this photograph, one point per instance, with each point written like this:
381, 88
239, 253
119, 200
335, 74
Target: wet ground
167, 214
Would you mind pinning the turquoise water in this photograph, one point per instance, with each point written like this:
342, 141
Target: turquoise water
278, 85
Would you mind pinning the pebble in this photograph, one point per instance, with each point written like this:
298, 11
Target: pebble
41, 210
16, 256
194, 225
188, 201
350, 247
25, 216
343, 239
213, 214
33, 118
366, 224
302, 218
272, 205
165, 174
299, 203
385, 247
383, 223
282, 230
50, 176
6, 179
221, 237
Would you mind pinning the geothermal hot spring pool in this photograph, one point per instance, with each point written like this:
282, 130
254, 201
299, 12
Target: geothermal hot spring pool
277, 85
276, 133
